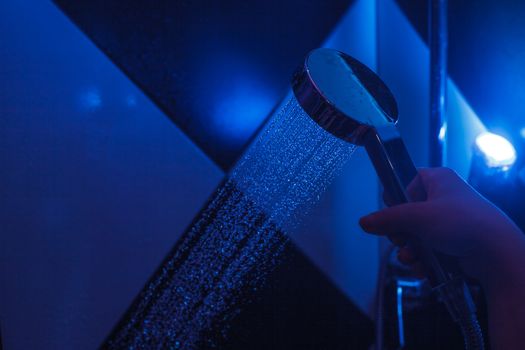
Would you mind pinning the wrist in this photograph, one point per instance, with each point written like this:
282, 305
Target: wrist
504, 262
504, 292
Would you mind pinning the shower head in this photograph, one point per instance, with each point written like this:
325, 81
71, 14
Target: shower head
350, 101
347, 99
343, 95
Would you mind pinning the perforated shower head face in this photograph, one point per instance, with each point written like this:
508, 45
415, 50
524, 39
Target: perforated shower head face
342, 95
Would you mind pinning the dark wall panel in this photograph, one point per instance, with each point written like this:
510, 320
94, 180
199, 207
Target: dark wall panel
216, 68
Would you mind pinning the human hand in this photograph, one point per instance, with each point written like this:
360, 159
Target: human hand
454, 219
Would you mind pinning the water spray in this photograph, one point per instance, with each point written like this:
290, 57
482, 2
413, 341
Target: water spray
229, 250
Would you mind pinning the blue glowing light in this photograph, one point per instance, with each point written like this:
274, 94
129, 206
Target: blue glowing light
400, 323
497, 150
240, 101
131, 101
522, 132
241, 110
90, 99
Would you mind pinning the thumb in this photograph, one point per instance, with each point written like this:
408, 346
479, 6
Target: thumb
408, 218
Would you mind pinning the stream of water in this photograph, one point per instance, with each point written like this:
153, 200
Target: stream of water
236, 240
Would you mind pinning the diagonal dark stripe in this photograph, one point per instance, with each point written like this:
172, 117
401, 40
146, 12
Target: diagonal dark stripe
216, 68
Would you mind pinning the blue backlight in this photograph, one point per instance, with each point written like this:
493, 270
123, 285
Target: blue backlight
240, 110
90, 99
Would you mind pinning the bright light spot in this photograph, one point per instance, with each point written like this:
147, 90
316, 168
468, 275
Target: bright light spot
443, 133
497, 150
522, 132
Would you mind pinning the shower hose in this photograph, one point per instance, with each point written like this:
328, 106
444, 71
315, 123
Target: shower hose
457, 298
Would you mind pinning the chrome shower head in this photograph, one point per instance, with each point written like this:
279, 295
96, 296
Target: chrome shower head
351, 102
343, 95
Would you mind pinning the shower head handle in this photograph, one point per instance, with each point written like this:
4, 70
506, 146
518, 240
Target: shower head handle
397, 172
391, 161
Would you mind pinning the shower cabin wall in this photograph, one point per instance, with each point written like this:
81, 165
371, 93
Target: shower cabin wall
96, 183
404, 65
97, 187
216, 69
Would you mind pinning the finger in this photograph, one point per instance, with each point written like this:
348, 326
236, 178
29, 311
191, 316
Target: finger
425, 183
439, 181
416, 190
409, 218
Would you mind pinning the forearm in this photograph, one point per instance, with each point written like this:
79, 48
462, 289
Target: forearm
505, 293
506, 311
